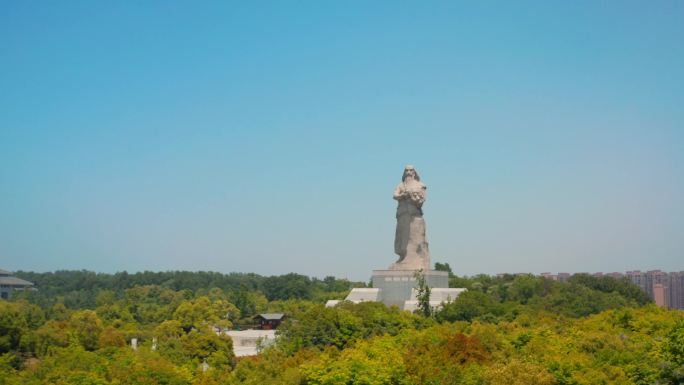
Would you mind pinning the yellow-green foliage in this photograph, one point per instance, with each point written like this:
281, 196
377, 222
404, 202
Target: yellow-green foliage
621, 346
500, 335
374, 362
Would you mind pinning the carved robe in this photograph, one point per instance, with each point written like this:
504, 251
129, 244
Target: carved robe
410, 242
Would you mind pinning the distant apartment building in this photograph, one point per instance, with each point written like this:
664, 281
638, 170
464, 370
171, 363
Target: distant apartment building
658, 285
653, 278
665, 289
638, 278
8, 284
660, 295
561, 277
676, 290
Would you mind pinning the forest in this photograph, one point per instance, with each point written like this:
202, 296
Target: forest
511, 329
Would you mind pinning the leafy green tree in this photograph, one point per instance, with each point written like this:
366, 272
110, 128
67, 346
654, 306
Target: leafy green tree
578, 300
169, 329
58, 312
86, 327
273, 367
468, 306
291, 307
146, 367
8, 373
672, 352
111, 337
374, 362
343, 325
54, 334
623, 286
444, 267
192, 314
332, 284
288, 286
13, 326
207, 345
378, 319
105, 297
423, 294
320, 327
517, 372
440, 355
202, 312
524, 287
151, 304
73, 365
249, 303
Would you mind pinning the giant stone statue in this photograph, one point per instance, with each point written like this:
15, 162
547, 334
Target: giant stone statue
397, 285
409, 241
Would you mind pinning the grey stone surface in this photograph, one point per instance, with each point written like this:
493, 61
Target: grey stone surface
441, 294
358, 295
364, 294
438, 296
410, 242
396, 285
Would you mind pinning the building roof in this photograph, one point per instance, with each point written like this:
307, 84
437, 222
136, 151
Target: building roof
270, 316
364, 294
5, 280
4, 272
332, 302
251, 333
245, 341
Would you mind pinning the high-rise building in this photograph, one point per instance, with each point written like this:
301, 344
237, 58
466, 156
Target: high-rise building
666, 289
660, 294
655, 277
676, 290
638, 278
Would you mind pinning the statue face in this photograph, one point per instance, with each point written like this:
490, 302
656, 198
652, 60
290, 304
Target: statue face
410, 171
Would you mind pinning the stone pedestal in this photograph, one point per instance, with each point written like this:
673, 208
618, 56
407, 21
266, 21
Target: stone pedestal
398, 288
396, 285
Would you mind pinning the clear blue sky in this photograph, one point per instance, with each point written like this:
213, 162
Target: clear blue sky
268, 137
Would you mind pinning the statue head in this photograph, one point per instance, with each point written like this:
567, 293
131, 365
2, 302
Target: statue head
410, 171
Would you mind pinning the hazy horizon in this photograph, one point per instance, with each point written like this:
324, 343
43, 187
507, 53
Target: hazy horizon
339, 277
231, 137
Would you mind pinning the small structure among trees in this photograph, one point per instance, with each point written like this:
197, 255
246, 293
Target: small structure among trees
269, 321
9, 284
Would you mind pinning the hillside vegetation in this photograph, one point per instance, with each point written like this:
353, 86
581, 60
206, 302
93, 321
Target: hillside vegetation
504, 330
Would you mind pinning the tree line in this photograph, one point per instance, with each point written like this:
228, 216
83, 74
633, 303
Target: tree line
79, 288
510, 329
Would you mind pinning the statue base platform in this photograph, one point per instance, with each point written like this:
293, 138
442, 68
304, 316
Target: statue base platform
396, 285
398, 288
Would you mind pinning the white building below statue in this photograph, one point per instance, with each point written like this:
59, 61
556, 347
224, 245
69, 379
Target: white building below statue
398, 288
358, 295
438, 296
249, 342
